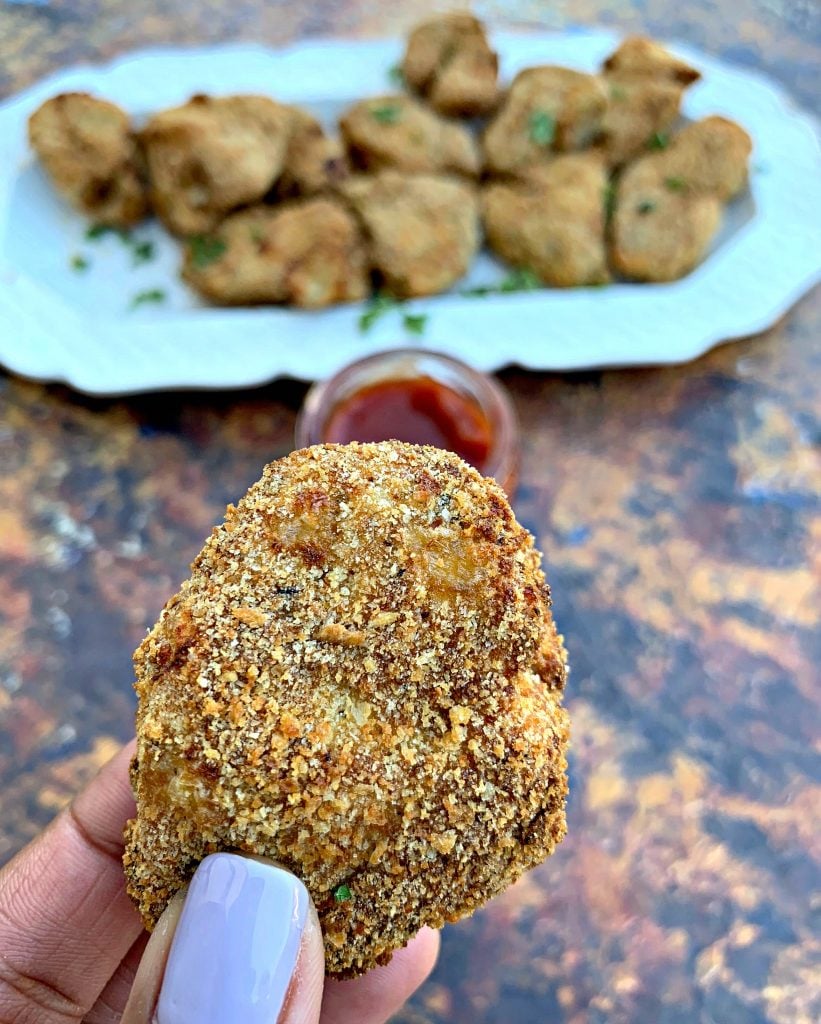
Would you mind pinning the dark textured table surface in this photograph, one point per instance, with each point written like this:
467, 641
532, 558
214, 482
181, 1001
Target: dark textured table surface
680, 513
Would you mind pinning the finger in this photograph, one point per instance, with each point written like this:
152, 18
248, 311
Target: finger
110, 1005
65, 919
246, 948
377, 995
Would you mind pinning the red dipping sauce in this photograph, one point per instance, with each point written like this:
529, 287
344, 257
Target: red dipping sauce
419, 410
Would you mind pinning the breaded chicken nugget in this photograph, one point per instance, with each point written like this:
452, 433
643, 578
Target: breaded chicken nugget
660, 232
314, 162
710, 157
422, 230
449, 61
361, 680
213, 154
308, 253
639, 109
553, 221
88, 150
641, 56
546, 109
399, 132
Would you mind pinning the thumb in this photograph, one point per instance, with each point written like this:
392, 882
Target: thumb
243, 944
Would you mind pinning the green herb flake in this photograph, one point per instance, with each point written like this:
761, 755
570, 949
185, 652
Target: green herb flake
522, 279
79, 263
609, 198
205, 250
98, 231
415, 323
375, 309
658, 140
618, 93
152, 296
387, 114
675, 184
143, 252
480, 291
397, 76
257, 236
645, 206
342, 893
541, 128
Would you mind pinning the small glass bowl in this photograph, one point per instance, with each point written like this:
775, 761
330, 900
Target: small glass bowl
409, 364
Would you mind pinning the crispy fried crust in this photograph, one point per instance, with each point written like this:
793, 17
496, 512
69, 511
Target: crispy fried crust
314, 162
449, 61
310, 253
641, 56
400, 132
362, 680
212, 155
547, 109
710, 157
552, 222
422, 230
638, 108
89, 152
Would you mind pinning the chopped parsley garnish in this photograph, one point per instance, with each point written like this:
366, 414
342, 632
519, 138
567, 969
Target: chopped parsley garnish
521, 279
206, 250
479, 291
646, 206
618, 93
98, 231
387, 114
415, 323
397, 75
375, 309
541, 128
675, 184
609, 197
150, 296
658, 140
143, 252
342, 893
257, 235
79, 262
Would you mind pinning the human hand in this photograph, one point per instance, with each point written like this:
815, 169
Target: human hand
244, 942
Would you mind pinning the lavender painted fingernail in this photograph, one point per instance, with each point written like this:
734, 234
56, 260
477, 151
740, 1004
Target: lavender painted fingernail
236, 944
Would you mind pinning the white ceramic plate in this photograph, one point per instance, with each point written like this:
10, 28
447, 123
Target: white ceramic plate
60, 324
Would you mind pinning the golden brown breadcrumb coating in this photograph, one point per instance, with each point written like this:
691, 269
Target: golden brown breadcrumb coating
449, 61
422, 230
639, 110
362, 680
314, 162
310, 253
641, 56
212, 155
552, 222
88, 150
399, 132
709, 157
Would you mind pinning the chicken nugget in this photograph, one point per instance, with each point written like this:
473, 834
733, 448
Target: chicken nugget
639, 111
400, 132
641, 56
89, 152
213, 154
361, 680
422, 230
449, 61
659, 231
553, 221
709, 157
308, 253
314, 162
547, 109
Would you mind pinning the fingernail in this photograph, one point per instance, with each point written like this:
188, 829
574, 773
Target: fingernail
236, 944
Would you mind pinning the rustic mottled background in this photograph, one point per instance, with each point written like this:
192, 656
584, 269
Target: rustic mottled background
680, 512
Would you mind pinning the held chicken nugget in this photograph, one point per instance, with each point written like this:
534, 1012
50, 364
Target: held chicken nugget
213, 154
422, 229
644, 57
553, 221
546, 109
449, 61
361, 680
660, 232
89, 152
400, 132
308, 253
